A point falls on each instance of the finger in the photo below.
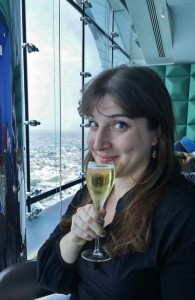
(89, 215)
(81, 229)
(84, 222)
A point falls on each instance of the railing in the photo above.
(30, 200)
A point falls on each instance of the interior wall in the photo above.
(180, 82)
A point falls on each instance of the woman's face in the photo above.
(113, 136)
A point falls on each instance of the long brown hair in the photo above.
(140, 92)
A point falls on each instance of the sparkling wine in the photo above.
(100, 180)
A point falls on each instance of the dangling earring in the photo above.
(154, 152)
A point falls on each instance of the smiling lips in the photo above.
(106, 159)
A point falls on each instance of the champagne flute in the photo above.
(100, 181)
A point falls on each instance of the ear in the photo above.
(156, 135)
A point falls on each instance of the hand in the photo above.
(87, 223)
(186, 163)
(188, 157)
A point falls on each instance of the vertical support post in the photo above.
(83, 82)
(28, 199)
(112, 50)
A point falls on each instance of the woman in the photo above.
(149, 218)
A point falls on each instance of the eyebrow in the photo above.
(113, 115)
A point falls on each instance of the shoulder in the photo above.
(179, 197)
(173, 224)
(177, 206)
(181, 190)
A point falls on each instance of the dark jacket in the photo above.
(165, 272)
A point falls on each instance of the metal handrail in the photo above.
(41, 196)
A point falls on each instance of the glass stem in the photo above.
(96, 251)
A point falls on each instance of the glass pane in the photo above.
(101, 14)
(54, 82)
(121, 21)
(92, 57)
(103, 46)
(54, 90)
(119, 58)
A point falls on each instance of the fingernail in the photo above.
(101, 219)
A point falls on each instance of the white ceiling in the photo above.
(165, 25)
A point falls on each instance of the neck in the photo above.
(122, 186)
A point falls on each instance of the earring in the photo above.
(154, 152)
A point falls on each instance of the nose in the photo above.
(99, 140)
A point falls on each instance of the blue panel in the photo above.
(5, 91)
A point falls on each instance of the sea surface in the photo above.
(54, 160)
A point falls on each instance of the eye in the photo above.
(120, 125)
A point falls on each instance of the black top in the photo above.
(165, 272)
